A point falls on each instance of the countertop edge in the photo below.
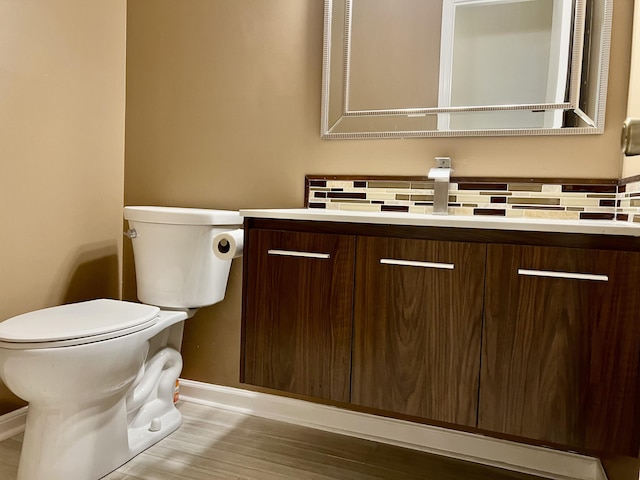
(593, 227)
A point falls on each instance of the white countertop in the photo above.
(598, 227)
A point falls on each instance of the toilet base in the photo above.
(63, 443)
(141, 438)
(95, 406)
(75, 439)
(86, 443)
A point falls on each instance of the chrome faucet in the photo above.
(441, 175)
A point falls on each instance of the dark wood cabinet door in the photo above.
(298, 312)
(417, 327)
(560, 355)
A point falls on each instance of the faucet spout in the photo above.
(442, 177)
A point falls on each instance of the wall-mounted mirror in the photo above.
(434, 68)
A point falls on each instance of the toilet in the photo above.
(100, 375)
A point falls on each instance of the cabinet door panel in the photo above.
(298, 312)
(560, 355)
(417, 327)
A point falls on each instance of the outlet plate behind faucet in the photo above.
(443, 162)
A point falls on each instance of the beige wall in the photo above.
(223, 111)
(631, 165)
(61, 151)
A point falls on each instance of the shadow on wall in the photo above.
(94, 274)
(8, 401)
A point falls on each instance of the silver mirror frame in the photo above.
(596, 125)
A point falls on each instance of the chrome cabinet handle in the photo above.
(413, 263)
(294, 253)
(569, 275)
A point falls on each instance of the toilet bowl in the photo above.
(99, 376)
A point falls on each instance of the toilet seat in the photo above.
(76, 324)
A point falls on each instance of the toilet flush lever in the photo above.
(131, 233)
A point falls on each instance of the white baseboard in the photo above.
(461, 445)
(12, 423)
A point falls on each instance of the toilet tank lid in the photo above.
(183, 216)
(77, 320)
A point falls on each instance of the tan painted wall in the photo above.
(223, 111)
(631, 165)
(62, 84)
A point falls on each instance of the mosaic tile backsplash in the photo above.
(525, 198)
(629, 198)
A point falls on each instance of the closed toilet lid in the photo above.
(102, 319)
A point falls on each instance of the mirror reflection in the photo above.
(464, 67)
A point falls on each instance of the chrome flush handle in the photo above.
(131, 233)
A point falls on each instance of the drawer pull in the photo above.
(574, 276)
(293, 253)
(413, 263)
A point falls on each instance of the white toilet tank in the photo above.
(173, 253)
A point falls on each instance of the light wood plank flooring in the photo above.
(215, 444)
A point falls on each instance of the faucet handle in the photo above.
(443, 162)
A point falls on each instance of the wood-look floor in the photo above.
(215, 444)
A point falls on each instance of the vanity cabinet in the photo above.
(298, 312)
(560, 348)
(417, 327)
(524, 335)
